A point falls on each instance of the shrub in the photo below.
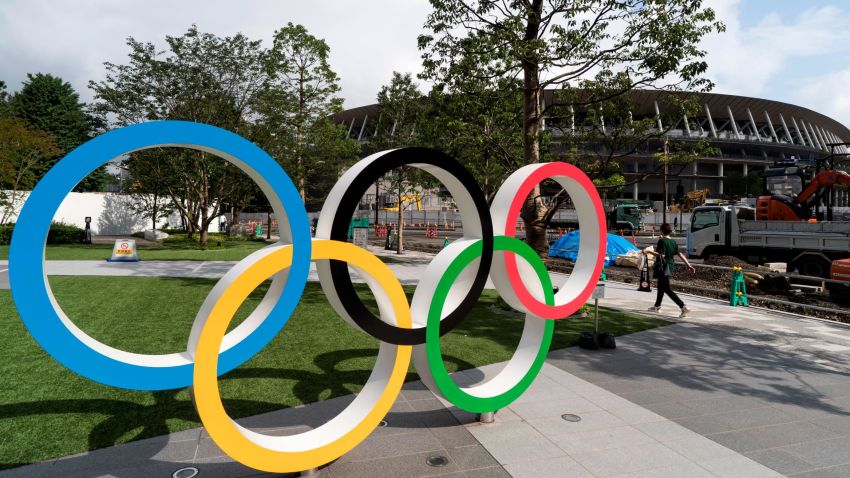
(61, 233)
(6, 233)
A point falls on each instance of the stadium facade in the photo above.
(749, 135)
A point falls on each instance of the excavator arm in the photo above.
(822, 180)
(789, 208)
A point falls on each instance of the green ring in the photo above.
(444, 382)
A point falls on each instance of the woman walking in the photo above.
(665, 253)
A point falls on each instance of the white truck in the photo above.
(731, 230)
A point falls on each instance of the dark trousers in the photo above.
(664, 288)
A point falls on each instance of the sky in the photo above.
(786, 50)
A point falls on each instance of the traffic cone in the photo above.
(644, 285)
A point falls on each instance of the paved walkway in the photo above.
(727, 392)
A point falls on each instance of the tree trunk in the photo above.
(398, 246)
(533, 211)
(300, 165)
(205, 220)
(155, 210)
(234, 216)
(204, 203)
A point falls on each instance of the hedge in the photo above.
(60, 233)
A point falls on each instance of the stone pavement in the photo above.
(614, 437)
(737, 392)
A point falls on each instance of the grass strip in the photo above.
(47, 411)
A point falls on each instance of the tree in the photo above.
(148, 183)
(230, 82)
(4, 100)
(296, 107)
(401, 106)
(556, 44)
(738, 185)
(48, 103)
(329, 151)
(598, 137)
(23, 153)
(481, 128)
(200, 78)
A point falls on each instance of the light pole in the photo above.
(377, 185)
(666, 161)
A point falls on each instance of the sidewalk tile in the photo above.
(561, 466)
(738, 466)
(554, 426)
(605, 439)
(606, 463)
(781, 461)
(773, 436)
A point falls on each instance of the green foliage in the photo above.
(738, 185)
(6, 233)
(199, 77)
(50, 104)
(482, 128)
(401, 106)
(59, 233)
(600, 136)
(24, 154)
(294, 124)
(476, 45)
(4, 100)
(554, 43)
(328, 150)
(278, 98)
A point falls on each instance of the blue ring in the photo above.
(26, 254)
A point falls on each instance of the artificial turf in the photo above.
(47, 411)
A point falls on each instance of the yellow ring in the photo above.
(259, 451)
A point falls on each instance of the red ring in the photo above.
(545, 171)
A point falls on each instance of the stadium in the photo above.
(747, 134)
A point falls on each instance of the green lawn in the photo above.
(174, 249)
(47, 411)
(168, 251)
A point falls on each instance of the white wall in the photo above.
(110, 214)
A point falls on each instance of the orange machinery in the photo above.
(840, 271)
(783, 207)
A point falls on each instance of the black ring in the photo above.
(341, 279)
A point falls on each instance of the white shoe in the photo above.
(685, 312)
(654, 308)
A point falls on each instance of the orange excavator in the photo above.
(783, 204)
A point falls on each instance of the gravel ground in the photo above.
(698, 283)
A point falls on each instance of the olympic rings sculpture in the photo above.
(445, 294)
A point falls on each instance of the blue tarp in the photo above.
(567, 247)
